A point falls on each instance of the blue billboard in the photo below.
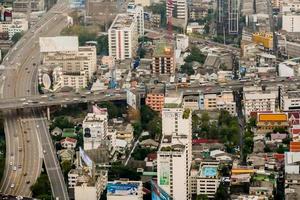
(157, 193)
(123, 189)
(77, 4)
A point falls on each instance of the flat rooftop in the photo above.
(208, 171)
(122, 21)
(59, 43)
(163, 49)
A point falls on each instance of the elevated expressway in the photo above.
(26, 131)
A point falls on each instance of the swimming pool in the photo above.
(209, 171)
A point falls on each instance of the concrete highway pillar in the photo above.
(48, 113)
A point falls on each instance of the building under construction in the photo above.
(163, 60)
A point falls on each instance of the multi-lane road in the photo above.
(111, 95)
(26, 131)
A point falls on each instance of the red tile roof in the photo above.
(67, 139)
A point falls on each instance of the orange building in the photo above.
(267, 122)
(155, 101)
(294, 146)
(263, 39)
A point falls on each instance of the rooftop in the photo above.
(272, 117)
(163, 49)
(59, 43)
(122, 21)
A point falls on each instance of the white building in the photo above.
(124, 32)
(205, 180)
(87, 188)
(182, 42)
(124, 190)
(14, 26)
(122, 37)
(291, 162)
(94, 129)
(137, 12)
(289, 100)
(224, 100)
(179, 12)
(74, 64)
(174, 155)
(291, 23)
(289, 68)
(258, 101)
(68, 143)
(72, 177)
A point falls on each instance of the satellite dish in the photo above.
(46, 81)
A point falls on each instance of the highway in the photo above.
(26, 131)
(112, 95)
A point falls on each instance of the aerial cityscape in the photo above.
(150, 99)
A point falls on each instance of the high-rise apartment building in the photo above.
(124, 32)
(178, 10)
(122, 37)
(228, 17)
(174, 156)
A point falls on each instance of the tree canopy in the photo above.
(195, 55)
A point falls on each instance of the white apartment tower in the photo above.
(138, 13)
(94, 129)
(178, 10)
(174, 156)
(124, 32)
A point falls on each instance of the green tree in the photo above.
(112, 109)
(155, 127)
(16, 37)
(102, 45)
(195, 55)
(62, 122)
(118, 171)
(187, 69)
(222, 193)
(137, 129)
(201, 197)
(41, 189)
(147, 114)
(66, 167)
(195, 123)
(142, 52)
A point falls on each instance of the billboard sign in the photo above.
(132, 99)
(122, 189)
(77, 4)
(164, 174)
(86, 159)
(157, 193)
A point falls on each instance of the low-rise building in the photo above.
(74, 64)
(89, 188)
(205, 180)
(267, 122)
(68, 143)
(258, 101)
(289, 100)
(224, 100)
(124, 190)
(263, 39)
(155, 100)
